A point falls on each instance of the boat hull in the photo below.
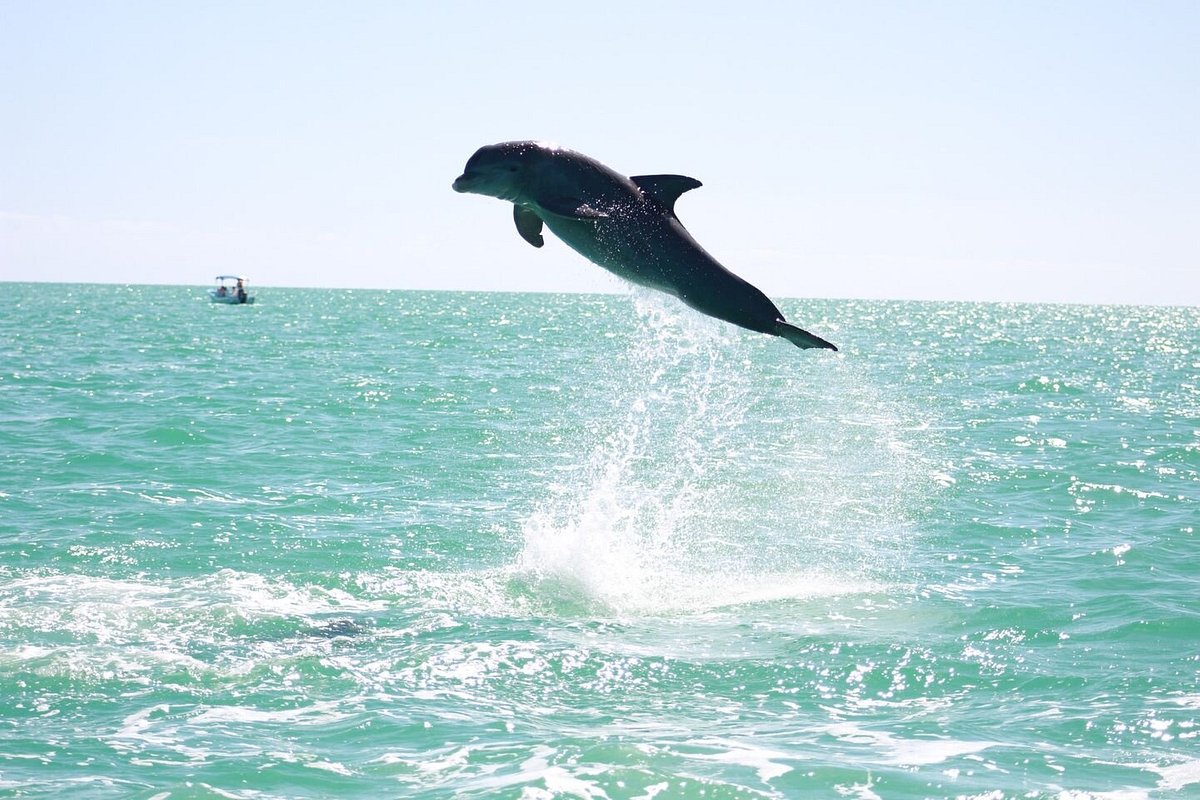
(229, 299)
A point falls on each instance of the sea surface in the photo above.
(366, 544)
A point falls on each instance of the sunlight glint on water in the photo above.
(390, 544)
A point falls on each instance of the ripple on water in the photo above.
(527, 546)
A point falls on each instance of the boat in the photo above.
(230, 289)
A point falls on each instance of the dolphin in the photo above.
(626, 225)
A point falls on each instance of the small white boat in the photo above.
(230, 289)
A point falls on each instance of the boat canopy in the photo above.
(232, 278)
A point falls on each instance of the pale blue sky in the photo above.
(1045, 151)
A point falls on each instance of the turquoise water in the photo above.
(389, 544)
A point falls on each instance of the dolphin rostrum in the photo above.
(626, 225)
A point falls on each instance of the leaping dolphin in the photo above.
(626, 225)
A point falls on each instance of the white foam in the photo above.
(762, 760)
(254, 595)
(1174, 777)
(330, 766)
(142, 728)
(320, 713)
(907, 752)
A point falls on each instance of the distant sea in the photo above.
(366, 544)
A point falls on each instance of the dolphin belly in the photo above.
(615, 249)
(665, 257)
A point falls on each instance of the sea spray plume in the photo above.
(622, 533)
(695, 493)
(626, 225)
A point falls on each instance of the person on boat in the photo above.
(221, 291)
(241, 292)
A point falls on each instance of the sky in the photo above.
(1000, 151)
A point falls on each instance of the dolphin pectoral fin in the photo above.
(801, 338)
(665, 188)
(570, 207)
(529, 225)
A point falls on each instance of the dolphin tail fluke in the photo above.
(801, 338)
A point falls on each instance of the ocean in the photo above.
(369, 544)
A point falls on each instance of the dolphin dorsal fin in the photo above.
(529, 225)
(665, 188)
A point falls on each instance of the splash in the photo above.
(725, 473)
